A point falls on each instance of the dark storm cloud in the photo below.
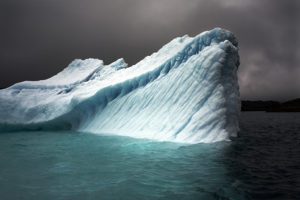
(40, 37)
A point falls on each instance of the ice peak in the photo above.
(78, 63)
(119, 64)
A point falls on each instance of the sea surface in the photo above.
(262, 163)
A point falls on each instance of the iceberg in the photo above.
(186, 92)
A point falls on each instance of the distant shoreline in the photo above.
(271, 106)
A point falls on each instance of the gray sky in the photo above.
(38, 38)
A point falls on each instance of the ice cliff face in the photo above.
(186, 92)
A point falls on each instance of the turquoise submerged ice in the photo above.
(186, 92)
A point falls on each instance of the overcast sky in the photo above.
(38, 38)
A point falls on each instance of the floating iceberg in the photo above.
(186, 92)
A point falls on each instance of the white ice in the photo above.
(186, 92)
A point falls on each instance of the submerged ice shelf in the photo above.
(186, 92)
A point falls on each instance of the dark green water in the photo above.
(263, 163)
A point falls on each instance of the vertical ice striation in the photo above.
(186, 92)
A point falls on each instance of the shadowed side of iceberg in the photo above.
(186, 92)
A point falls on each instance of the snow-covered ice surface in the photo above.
(186, 92)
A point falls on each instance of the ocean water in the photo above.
(263, 163)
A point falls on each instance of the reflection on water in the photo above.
(261, 164)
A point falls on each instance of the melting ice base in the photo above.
(186, 92)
